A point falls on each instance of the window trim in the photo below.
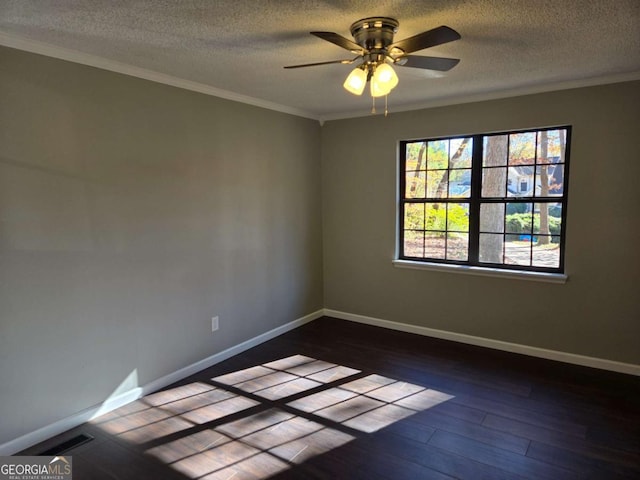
(472, 265)
(546, 277)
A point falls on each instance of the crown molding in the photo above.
(42, 48)
(22, 43)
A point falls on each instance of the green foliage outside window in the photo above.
(436, 218)
(521, 223)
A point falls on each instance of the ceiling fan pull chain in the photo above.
(386, 109)
(373, 105)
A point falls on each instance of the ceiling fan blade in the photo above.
(344, 62)
(339, 40)
(428, 63)
(430, 38)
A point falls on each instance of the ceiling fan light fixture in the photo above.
(356, 81)
(376, 50)
(383, 80)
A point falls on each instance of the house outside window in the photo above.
(523, 186)
(494, 200)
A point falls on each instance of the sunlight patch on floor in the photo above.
(241, 425)
(285, 377)
(252, 447)
(370, 403)
(142, 421)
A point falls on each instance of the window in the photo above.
(491, 200)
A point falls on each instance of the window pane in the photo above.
(547, 218)
(415, 184)
(491, 248)
(517, 250)
(555, 210)
(551, 145)
(434, 245)
(460, 150)
(438, 154)
(460, 183)
(494, 181)
(520, 182)
(546, 253)
(436, 216)
(522, 148)
(414, 216)
(520, 222)
(550, 180)
(413, 243)
(458, 217)
(415, 156)
(437, 181)
(518, 207)
(495, 150)
(492, 217)
(457, 246)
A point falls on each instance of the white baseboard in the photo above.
(56, 428)
(571, 358)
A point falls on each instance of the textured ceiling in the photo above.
(237, 48)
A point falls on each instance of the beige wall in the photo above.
(597, 313)
(130, 214)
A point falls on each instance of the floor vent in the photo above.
(68, 445)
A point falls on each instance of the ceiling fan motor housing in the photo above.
(374, 46)
(374, 34)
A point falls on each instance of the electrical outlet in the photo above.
(215, 324)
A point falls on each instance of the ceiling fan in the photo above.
(376, 51)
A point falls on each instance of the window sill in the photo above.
(484, 271)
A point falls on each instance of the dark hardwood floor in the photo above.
(335, 399)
